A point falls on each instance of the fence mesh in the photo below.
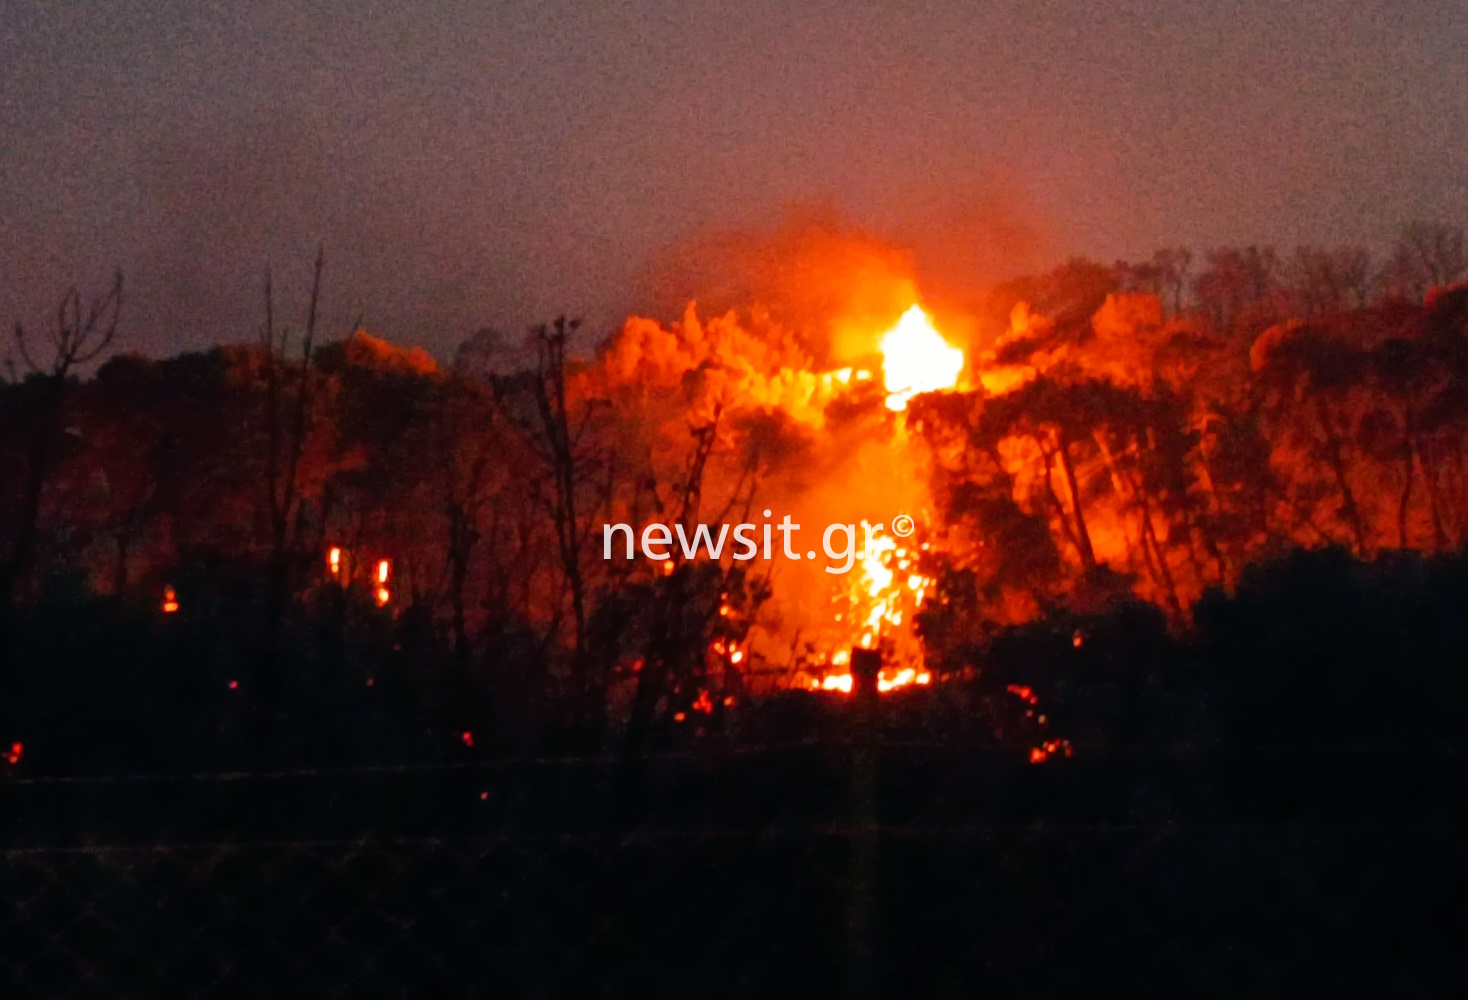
(753, 873)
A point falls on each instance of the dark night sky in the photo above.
(471, 164)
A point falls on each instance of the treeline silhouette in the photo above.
(1197, 647)
(1147, 429)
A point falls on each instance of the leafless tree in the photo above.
(1165, 275)
(78, 337)
(287, 418)
(577, 469)
(1426, 255)
(1240, 291)
(1173, 265)
(1328, 281)
(464, 445)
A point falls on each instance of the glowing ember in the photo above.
(888, 680)
(1048, 749)
(170, 601)
(903, 677)
(837, 682)
(16, 750)
(1022, 691)
(334, 560)
(916, 359)
(384, 570)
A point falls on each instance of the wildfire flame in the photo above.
(916, 359)
(881, 600)
(384, 572)
(875, 606)
(879, 604)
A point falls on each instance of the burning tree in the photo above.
(1087, 436)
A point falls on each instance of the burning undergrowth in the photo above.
(1064, 444)
(1074, 445)
(808, 422)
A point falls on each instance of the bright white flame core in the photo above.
(916, 359)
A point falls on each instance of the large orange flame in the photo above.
(879, 603)
(916, 358)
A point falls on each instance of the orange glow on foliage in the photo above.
(372, 352)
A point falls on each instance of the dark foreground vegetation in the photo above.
(314, 679)
(1268, 802)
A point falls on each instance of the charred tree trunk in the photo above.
(659, 664)
(1409, 461)
(1434, 501)
(561, 453)
(119, 569)
(1149, 537)
(1335, 457)
(462, 538)
(1061, 514)
(862, 878)
(15, 571)
(1083, 536)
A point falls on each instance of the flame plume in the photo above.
(880, 601)
(916, 359)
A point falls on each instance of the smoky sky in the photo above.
(474, 164)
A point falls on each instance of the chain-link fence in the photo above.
(900, 870)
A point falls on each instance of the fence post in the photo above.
(861, 968)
